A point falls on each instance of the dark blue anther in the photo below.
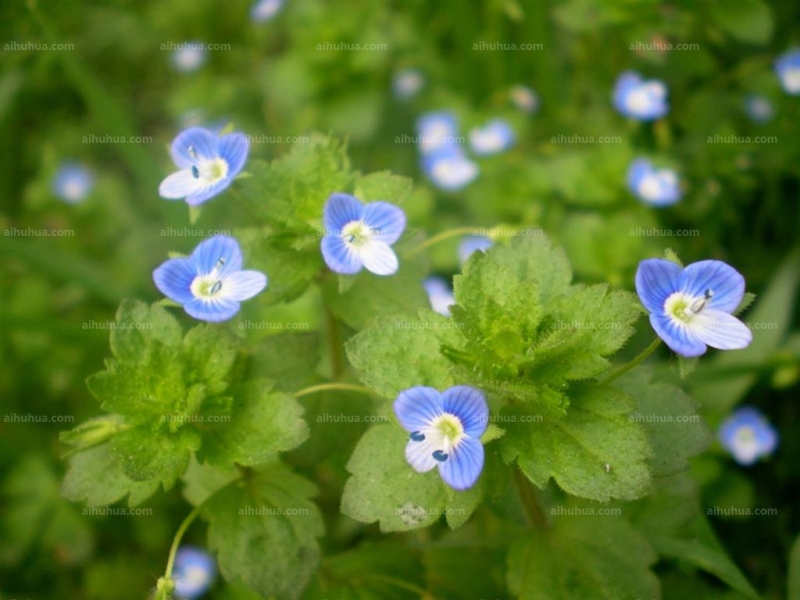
(440, 456)
(195, 172)
(417, 436)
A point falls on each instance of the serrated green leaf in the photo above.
(139, 327)
(288, 359)
(145, 454)
(201, 481)
(583, 557)
(383, 186)
(209, 353)
(384, 488)
(264, 530)
(594, 452)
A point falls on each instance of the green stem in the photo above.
(440, 237)
(332, 386)
(622, 370)
(177, 540)
(528, 496)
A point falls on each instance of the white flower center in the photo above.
(211, 171)
(357, 233)
(684, 307)
(453, 172)
(210, 285)
(443, 434)
(745, 443)
(791, 79)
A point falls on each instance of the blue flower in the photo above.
(759, 108)
(656, 187)
(748, 436)
(207, 162)
(194, 572)
(639, 99)
(448, 168)
(189, 56)
(473, 243)
(439, 294)
(787, 66)
(266, 10)
(445, 430)
(360, 235)
(72, 182)
(210, 284)
(437, 130)
(690, 308)
(407, 83)
(524, 98)
(494, 137)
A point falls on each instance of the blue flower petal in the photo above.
(341, 209)
(208, 192)
(174, 279)
(469, 405)
(720, 330)
(194, 572)
(243, 285)
(206, 257)
(202, 141)
(464, 465)
(416, 407)
(386, 220)
(419, 454)
(677, 337)
(378, 258)
(656, 280)
(212, 310)
(234, 148)
(638, 170)
(339, 257)
(724, 281)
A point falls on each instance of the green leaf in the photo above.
(583, 557)
(263, 423)
(145, 454)
(675, 431)
(385, 488)
(96, 477)
(793, 592)
(264, 531)
(139, 328)
(209, 353)
(203, 480)
(397, 353)
(745, 20)
(596, 451)
(289, 359)
(383, 186)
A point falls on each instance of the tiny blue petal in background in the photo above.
(194, 572)
(449, 168)
(437, 130)
(189, 56)
(759, 108)
(656, 187)
(787, 66)
(72, 182)
(407, 83)
(439, 294)
(748, 436)
(266, 10)
(473, 243)
(639, 99)
(494, 137)
(524, 98)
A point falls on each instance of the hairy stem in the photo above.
(624, 369)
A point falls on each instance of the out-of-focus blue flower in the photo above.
(524, 98)
(748, 436)
(189, 56)
(494, 137)
(691, 308)
(194, 572)
(266, 10)
(437, 130)
(210, 284)
(445, 430)
(639, 99)
(360, 235)
(656, 187)
(72, 182)
(473, 243)
(407, 83)
(787, 66)
(449, 168)
(439, 294)
(759, 108)
(207, 162)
